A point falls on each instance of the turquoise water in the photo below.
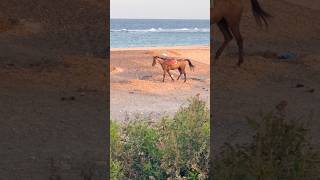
(158, 32)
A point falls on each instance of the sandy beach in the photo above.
(137, 87)
(52, 90)
(264, 80)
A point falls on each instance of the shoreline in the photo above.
(198, 47)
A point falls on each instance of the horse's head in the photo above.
(154, 60)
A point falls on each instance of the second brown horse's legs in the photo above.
(236, 32)
(224, 28)
(185, 76)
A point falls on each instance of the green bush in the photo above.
(178, 148)
(115, 149)
(280, 150)
(172, 147)
(185, 139)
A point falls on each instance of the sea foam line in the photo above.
(192, 30)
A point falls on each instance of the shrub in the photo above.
(141, 155)
(115, 149)
(178, 148)
(173, 147)
(280, 150)
(185, 139)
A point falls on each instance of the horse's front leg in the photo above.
(236, 32)
(170, 75)
(185, 76)
(164, 76)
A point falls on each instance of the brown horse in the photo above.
(169, 63)
(227, 15)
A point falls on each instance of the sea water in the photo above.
(126, 33)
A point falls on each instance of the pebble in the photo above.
(299, 85)
(311, 90)
(287, 56)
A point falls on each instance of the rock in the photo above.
(146, 77)
(71, 98)
(299, 85)
(202, 79)
(311, 90)
(287, 56)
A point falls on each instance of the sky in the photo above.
(160, 9)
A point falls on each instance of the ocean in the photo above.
(126, 33)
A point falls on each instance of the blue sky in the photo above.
(160, 9)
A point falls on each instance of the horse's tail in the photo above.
(190, 64)
(259, 14)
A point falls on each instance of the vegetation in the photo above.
(173, 148)
(178, 148)
(280, 150)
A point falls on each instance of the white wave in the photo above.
(183, 30)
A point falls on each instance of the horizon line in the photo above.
(162, 18)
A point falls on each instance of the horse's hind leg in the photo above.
(180, 71)
(170, 75)
(236, 32)
(224, 28)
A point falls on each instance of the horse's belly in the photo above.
(175, 66)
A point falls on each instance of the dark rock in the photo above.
(311, 90)
(299, 85)
(287, 56)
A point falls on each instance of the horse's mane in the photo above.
(165, 57)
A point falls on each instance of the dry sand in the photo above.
(137, 87)
(264, 80)
(52, 89)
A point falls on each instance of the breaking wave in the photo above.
(157, 30)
